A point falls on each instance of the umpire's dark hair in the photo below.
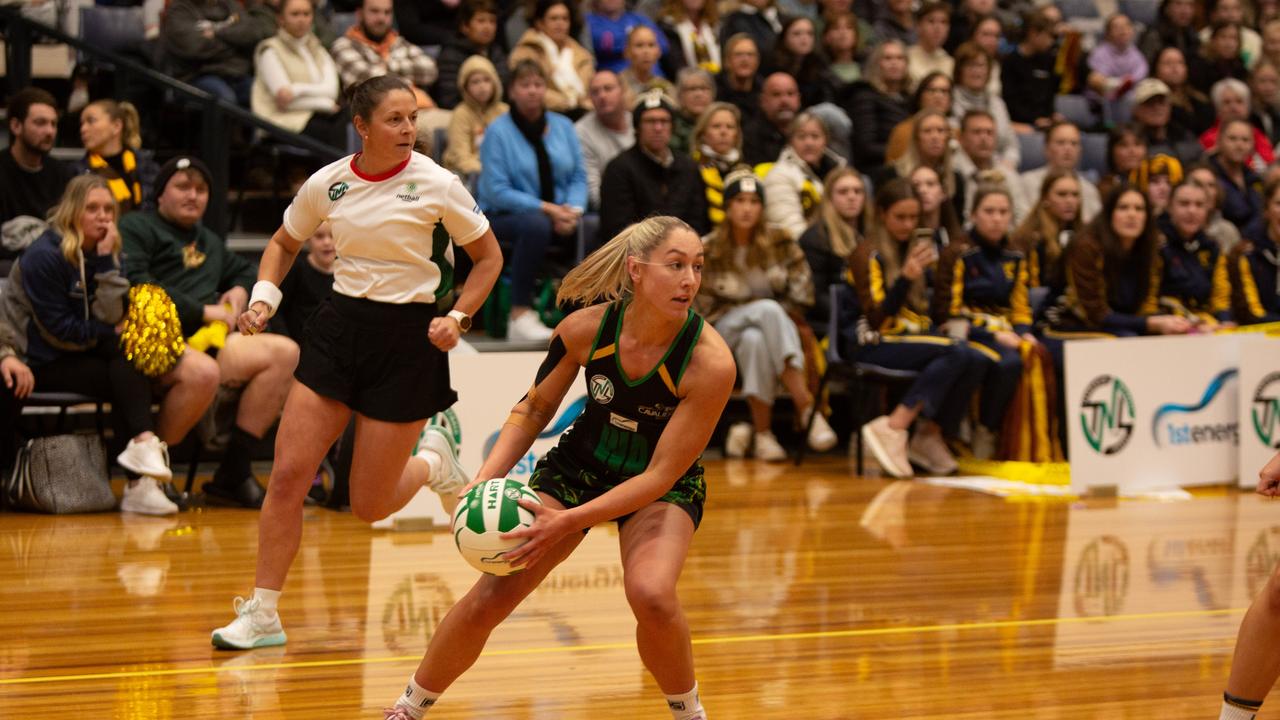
(21, 102)
(364, 96)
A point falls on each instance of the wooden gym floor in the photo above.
(811, 594)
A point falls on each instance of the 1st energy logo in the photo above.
(1106, 414)
(1185, 433)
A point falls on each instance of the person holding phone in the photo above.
(892, 329)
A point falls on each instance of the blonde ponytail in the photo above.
(127, 115)
(131, 133)
(602, 276)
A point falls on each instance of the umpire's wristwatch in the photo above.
(463, 320)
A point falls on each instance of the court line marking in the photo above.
(720, 640)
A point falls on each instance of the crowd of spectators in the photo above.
(987, 181)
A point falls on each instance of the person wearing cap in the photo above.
(171, 247)
(649, 179)
(756, 286)
(64, 311)
(1153, 113)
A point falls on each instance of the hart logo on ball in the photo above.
(489, 510)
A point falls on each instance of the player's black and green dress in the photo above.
(615, 436)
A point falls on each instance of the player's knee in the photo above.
(490, 604)
(367, 511)
(652, 602)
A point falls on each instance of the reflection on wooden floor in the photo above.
(810, 594)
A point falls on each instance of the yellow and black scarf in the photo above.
(126, 188)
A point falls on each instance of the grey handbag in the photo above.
(60, 474)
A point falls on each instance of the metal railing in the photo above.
(217, 115)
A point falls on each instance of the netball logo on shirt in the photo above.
(337, 190)
(601, 389)
(410, 193)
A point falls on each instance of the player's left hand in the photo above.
(444, 333)
(549, 527)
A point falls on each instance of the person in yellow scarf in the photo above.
(111, 136)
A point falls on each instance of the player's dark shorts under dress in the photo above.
(614, 437)
(375, 358)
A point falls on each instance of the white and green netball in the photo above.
(489, 510)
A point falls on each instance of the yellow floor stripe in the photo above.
(724, 640)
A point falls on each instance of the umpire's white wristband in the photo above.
(265, 291)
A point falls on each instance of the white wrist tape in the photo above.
(265, 291)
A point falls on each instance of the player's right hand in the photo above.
(1269, 478)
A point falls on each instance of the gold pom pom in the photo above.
(152, 337)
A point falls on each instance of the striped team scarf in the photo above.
(126, 188)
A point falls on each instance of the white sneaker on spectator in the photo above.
(984, 442)
(144, 496)
(738, 441)
(889, 446)
(252, 628)
(930, 451)
(146, 457)
(527, 326)
(821, 437)
(767, 448)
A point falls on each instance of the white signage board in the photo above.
(1153, 413)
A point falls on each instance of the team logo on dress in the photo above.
(337, 190)
(1106, 414)
(601, 389)
(410, 193)
(1266, 410)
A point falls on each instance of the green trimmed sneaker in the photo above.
(252, 628)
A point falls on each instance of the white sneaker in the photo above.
(984, 443)
(767, 448)
(146, 457)
(252, 628)
(452, 476)
(144, 496)
(929, 451)
(889, 446)
(738, 440)
(821, 437)
(527, 326)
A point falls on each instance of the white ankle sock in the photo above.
(686, 706)
(267, 599)
(1239, 709)
(435, 464)
(417, 699)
